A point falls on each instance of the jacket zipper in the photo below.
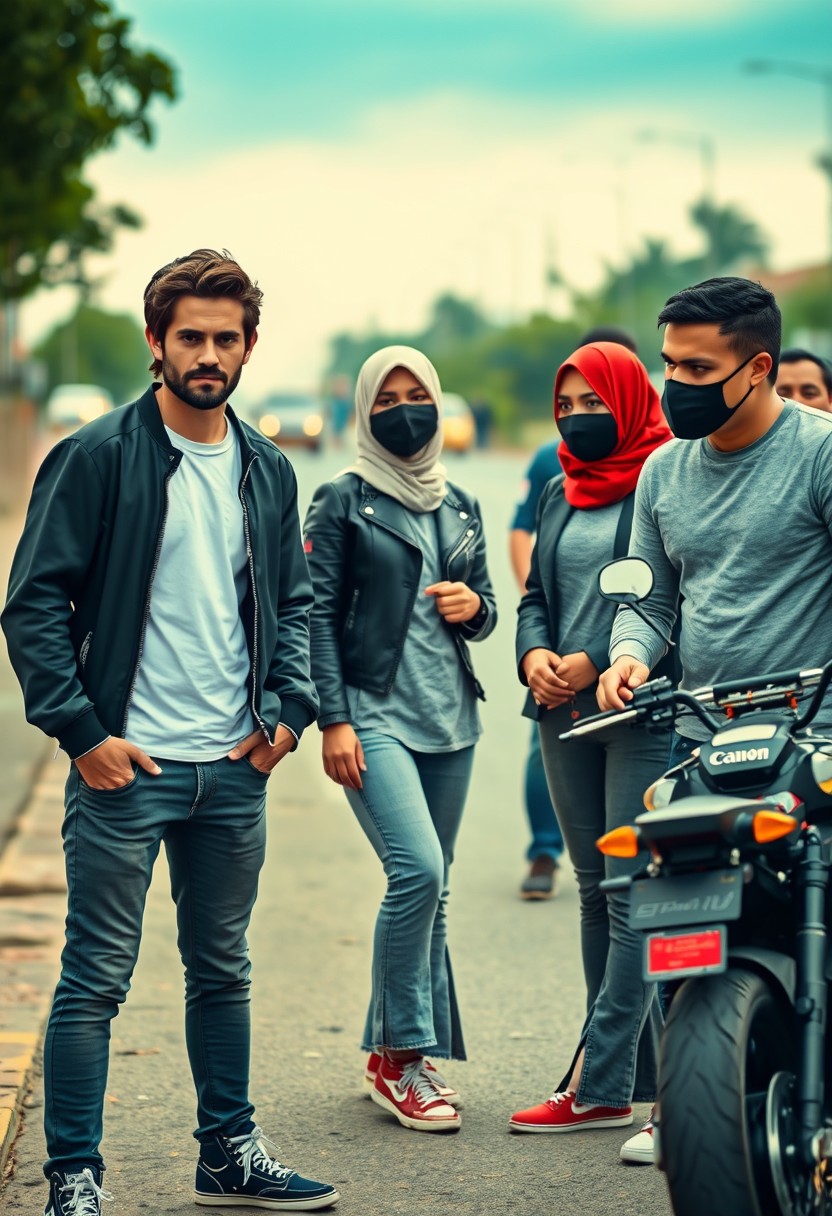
(460, 641)
(146, 615)
(350, 621)
(250, 554)
(85, 649)
(460, 545)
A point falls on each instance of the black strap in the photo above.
(625, 527)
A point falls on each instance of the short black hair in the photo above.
(746, 312)
(796, 354)
(609, 333)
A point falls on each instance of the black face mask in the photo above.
(589, 437)
(697, 410)
(405, 429)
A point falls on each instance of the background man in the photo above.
(806, 378)
(157, 619)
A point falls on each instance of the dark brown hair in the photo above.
(205, 272)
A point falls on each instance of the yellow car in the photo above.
(459, 433)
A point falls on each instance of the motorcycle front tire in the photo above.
(726, 1037)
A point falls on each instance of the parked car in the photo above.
(291, 418)
(459, 431)
(71, 405)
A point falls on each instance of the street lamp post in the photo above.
(822, 76)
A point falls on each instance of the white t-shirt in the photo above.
(191, 699)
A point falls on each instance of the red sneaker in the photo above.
(406, 1091)
(563, 1114)
(441, 1086)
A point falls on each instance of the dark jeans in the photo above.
(597, 784)
(547, 840)
(680, 749)
(212, 820)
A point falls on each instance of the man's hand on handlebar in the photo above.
(615, 685)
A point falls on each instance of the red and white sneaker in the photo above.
(563, 1114)
(406, 1091)
(640, 1148)
(441, 1086)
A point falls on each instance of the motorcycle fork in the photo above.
(811, 882)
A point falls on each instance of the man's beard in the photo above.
(210, 395)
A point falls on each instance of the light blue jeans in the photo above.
(212, 820)
(410, 810)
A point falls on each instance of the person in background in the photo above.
(610, 421)
(397, 558)
(546, 845)
(805, 378)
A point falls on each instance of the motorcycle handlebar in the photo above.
(656, 695)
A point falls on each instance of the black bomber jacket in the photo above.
(365, 568)
(79, 590)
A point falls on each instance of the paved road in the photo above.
(517, 968)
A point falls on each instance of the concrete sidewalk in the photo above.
(32, 909)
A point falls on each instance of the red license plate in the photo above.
(671, 956)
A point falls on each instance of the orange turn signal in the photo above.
(623, 842)
(772, 825)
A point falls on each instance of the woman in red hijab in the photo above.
(610, 420)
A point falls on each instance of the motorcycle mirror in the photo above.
(628, 580)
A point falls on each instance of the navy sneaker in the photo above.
(236, 1171)
(77, 1193)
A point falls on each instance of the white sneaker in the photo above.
(638, 1150)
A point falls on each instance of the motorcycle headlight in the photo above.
(659, 794)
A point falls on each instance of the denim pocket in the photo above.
(255, 769)
(119, 789)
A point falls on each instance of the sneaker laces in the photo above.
(559, 1097)
(416, 1077)
(433, 1074)
(252, 1155)
(86, 1195)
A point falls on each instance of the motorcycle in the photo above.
(733, 905)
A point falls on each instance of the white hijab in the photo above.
(417, 483)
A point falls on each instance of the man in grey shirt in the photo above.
(735, 515)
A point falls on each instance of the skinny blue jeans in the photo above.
(547, 840)
(597, 783)
(410, 810)
(211, 818)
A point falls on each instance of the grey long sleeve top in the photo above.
(746, 538)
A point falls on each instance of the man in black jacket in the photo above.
(158, 622)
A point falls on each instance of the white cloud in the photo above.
(458, 194)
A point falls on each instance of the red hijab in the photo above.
(620, 380)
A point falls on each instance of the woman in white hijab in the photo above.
(397, 558)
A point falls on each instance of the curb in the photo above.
(32, 912)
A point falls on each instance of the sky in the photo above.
(359, 157)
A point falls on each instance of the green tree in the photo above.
(97, 347)
(70, 82)
(730, 236)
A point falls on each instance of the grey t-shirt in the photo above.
(745, 537)
(586, 544)
(432, 706)
(190, 700)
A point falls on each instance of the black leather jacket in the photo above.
(79, 591)
(365, 568)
